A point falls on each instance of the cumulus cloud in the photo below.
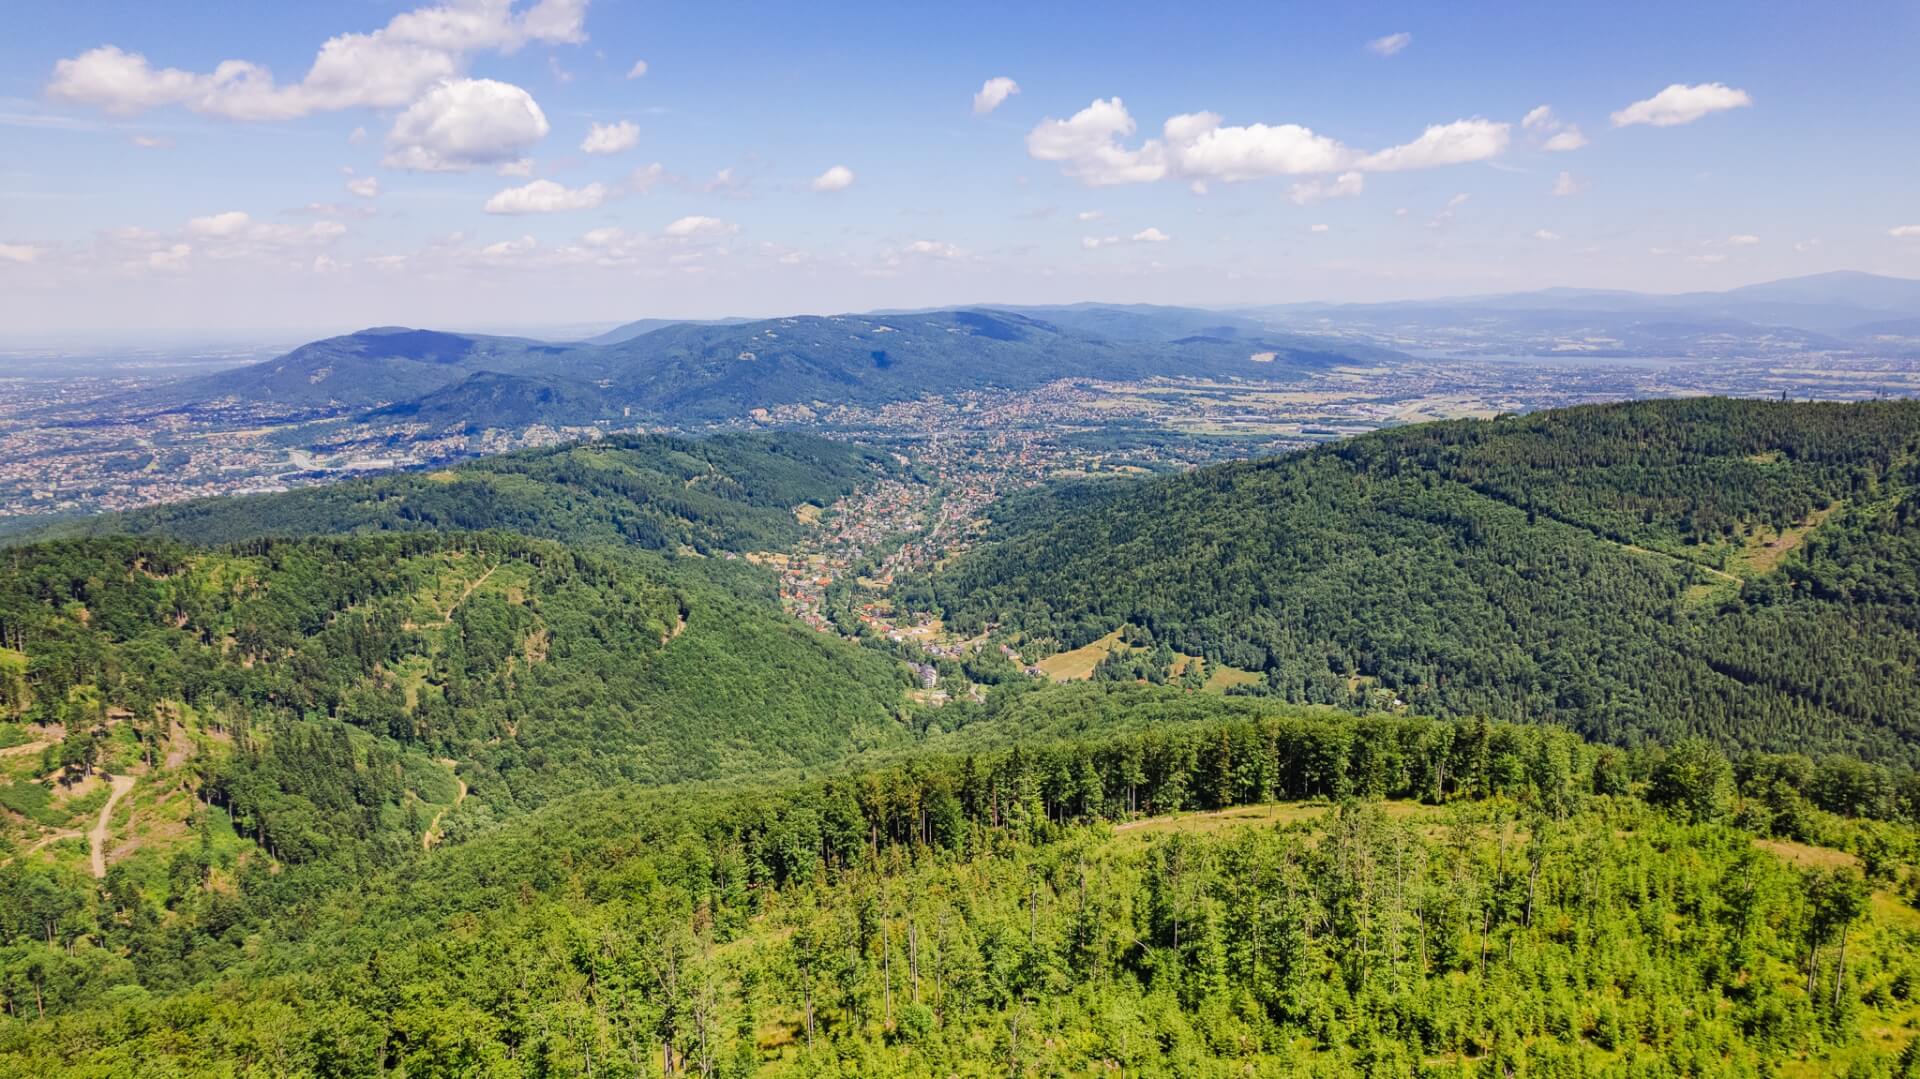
(1091, 215)
(1093, 242)
(611, 138)
(1904, 232)
(992, 93)
(1087, 146)
(385, 69)
(366, 186)
(638, 69)
(697, 227)
(837, 178)
(1150, 236)
(464, 123)
(1554, 134)
(1201, 146)
(1680, 104)
(1346, 185)
(1389, 45)
(546, 197)
(1546, 235)
(1091, 146)
(1443, 144)
(231, 223)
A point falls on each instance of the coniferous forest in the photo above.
(1568, 744)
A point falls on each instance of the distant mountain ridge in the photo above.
(696, 372)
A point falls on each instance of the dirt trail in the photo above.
(1709, 570)
(432, 834)
(98, 837)
(446, 616)
(48, 735)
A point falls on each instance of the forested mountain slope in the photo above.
(727, 492)
(1519, 904)
(1740, 569)
(305, 689)
(695, 372)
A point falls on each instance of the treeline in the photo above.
(1512, 568)
(955, 914)
(724, 493)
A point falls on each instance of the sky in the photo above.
(475, 164)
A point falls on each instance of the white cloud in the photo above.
(520, 167)
(546, 197)
(1087, 146)
(1679, 104)
(22, 253)
(1201, 146)
(1389, 45)
(837, 178)
(1545, 235)
(1090, 147)
(384, 69)
(638, 69)
(1316, 228)
(1092, 242)
(152, 142)
(357, 136)
(935, 249)
(1150, 236)
(231, 223)
(1443, 144)
(366, 187)
(1559, 135)
(642, 180)
(993, 92)
(1562, 141)
(460, 124)
(1458, 200)
(611, 138)
(1805, 246)
(697, 227)
(170, 259)
(1745, 239)
(1904, 232)
(1091, 215)
(1346, 185)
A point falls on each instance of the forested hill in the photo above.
(727, 492)
(1744, 570)
(327, 694)
(693, 372)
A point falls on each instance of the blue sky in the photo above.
(433, 167)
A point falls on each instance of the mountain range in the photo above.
(694, 372)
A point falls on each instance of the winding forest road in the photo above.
(98, 837)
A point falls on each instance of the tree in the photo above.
(1694, 780)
